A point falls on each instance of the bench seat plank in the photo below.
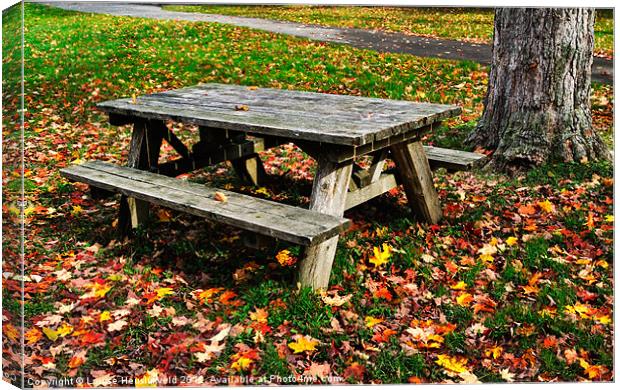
(453, 160)
(288, 223)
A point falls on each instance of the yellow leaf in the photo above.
(163, 291)
(464, 299)
(242, 364)
(434, 341)
(10, 331)
(104, 316)
(262, 191)
(260, 315)
(603, 319)
(459, 286)
(546, 206)
(372, 321)
(381, 257)
(284, 258)
(382, 231)
(31, 209)
(486, 258)
(454, 364)
(609, 218)
(32, 336)
(204, 296)
(512, 241)
(99, 290)
(149, 379)
(602, 264)
(495, 352)
(64, 330)
(583, 310)
(76, 210)
(51, 334)
(303, 344)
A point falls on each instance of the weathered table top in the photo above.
(319, 117)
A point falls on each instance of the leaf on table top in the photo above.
(220, 197)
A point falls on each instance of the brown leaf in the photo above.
(355, 371)
(242, 107)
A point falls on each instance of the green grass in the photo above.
(468, 24)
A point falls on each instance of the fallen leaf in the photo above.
(117, 325)
(454, 364)
(220, 197)
(303, 344)
(380, 257)
(372, 321)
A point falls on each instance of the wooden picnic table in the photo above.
(333, 129)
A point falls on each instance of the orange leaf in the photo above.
(260, 315)
(464, 299)
(527, 210)
(550, 342)
(530, 290)
(220, 197)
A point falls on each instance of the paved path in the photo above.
(602, 69)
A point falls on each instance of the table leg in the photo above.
(329, 193)
(417, 180)
(250, 169)
(144, 151)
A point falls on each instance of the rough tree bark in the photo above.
(537, 107)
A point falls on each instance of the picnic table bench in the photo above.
(333, 129)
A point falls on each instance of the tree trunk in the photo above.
(537, 107)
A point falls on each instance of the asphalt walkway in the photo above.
(602, 69)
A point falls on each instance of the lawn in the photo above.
(465, 24)
(515, 284)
